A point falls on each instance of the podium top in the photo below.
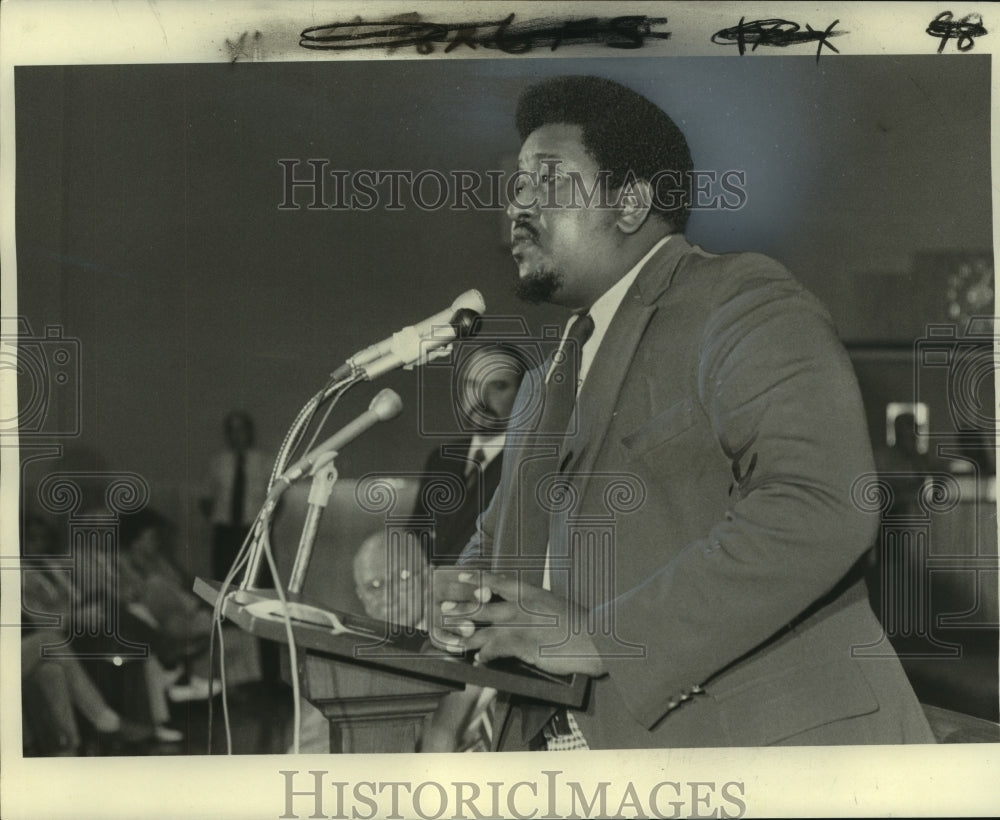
(365, 641)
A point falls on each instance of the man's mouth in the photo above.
(523, 233)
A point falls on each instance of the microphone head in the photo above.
(470, 300)
(464, 322)
(386, 405)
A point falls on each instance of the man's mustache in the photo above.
(523, 229)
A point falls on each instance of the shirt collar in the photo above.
(604, 309)
(491, 446)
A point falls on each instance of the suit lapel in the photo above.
(598, 398)
(599, 395)
(519, 447)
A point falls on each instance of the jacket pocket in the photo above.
(780, 706)
(661, 428)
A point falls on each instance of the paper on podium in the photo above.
(361, 640)
(299, 612)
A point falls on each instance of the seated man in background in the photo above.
(486, 380)
(391, 587)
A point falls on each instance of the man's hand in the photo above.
(529, 623)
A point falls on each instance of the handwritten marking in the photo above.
(239, 48)
(626, 32)
(776, 32)
(964, 31)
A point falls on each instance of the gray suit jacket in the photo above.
(705, 522)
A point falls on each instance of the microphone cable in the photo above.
(260, 532)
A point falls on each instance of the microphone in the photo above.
(412, 345)
(386, 405)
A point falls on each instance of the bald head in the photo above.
(389, 580)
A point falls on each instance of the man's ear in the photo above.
(635, 199)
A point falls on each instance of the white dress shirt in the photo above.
(602, 312)
(491, 446)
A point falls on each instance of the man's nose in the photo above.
(523, 201)
(519, 210)
(488, 396)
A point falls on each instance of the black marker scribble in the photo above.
(627, 32)
(775, 32)
(963, 32)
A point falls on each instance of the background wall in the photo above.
(148, 225)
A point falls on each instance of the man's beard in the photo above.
(538, 287)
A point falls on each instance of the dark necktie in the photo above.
(475, 468)
(533, 490)
(560, 390)
(239, 490)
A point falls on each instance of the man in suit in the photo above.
(679, 524)
(486, 379)
(461, 476)
(235, 490)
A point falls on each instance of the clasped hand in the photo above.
(497, 615)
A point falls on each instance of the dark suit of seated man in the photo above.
(486, 380)
(467, 470)
(685, 533)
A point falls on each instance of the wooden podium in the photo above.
(369, 710)
(374, 685)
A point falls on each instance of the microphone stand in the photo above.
(335, 389)
(345, 377)
(324, 477)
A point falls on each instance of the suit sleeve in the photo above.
(779, 392)
(479, 550)
(420, 509)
